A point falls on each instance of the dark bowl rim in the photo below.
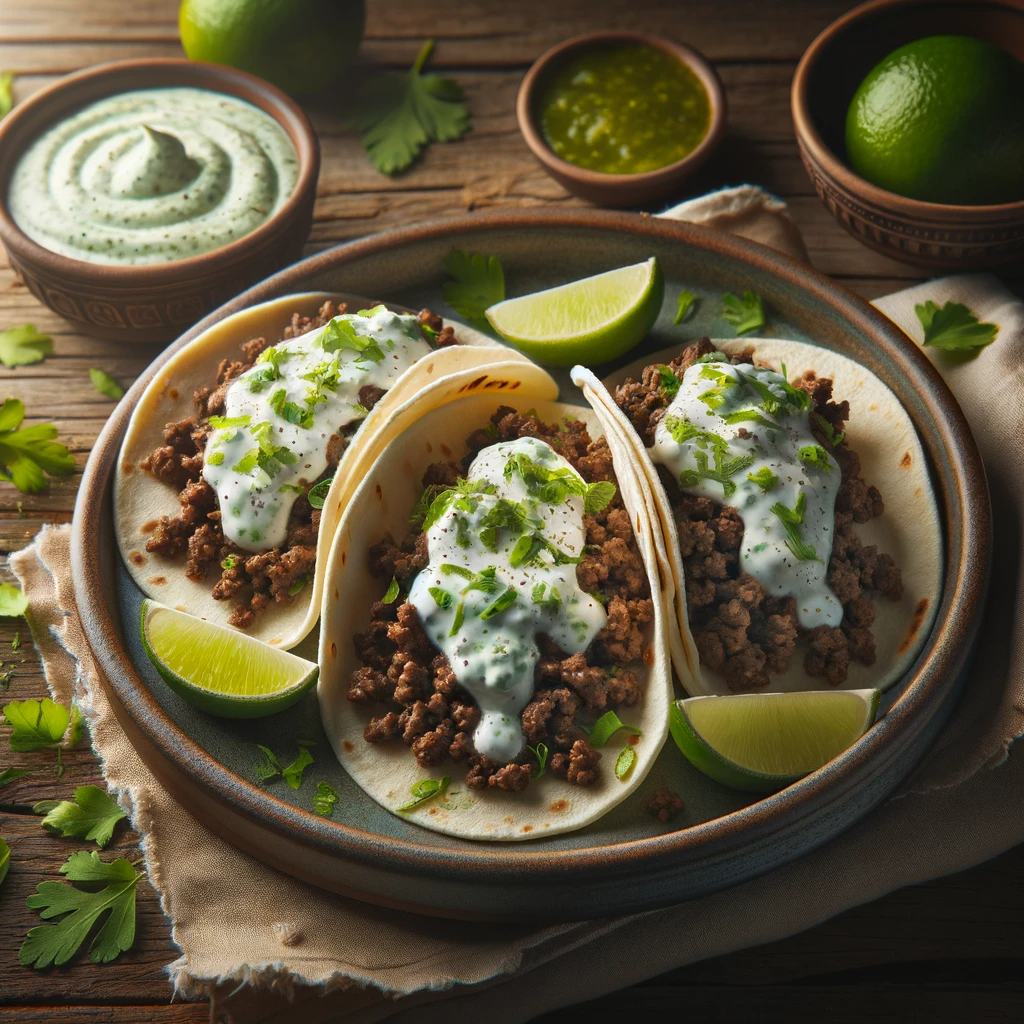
(198, 74)
(935, 671)
(693, 59)
(828, 161)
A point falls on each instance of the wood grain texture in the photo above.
(950, 950)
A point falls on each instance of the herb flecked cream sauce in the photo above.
(503, 557)
(776, 475)
(153, 176)
(271, 443)
(625, 110)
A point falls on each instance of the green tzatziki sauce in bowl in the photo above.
(153, 176)
(626, 109)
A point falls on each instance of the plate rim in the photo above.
(937, 670)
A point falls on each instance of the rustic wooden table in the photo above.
(950, 950)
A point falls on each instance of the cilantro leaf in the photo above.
(391, 594)
(324, 799)
(764, 478)
(424, 790)
(669, 382)
(834, 439)
(36, 725)
(22, 345)
(791, 518)
(399, 116)
(57, 943)
(293, 772)
(25, 454)
(746, 314)
(954, 327)
(318, 494)
(105, 384)
(5, 860)
(92, 815)
(478, 282)
(269, 767)
(12, 601)
(6, 94)
(816, 457)
(12, 775)
(686, 300)
(599, 495)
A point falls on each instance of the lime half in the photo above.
(218, 670)
(761, 742)
(590, 321)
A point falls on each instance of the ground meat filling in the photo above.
(251, 580)
(412, 690)
(739, 630)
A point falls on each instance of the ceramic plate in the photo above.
(626, 861)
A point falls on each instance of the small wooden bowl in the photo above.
(618, 190)
(155, 303)
(931, 235)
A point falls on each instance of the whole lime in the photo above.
(301, 46)
(941, 120)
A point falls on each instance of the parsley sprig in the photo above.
(400, 116)
(20, 346)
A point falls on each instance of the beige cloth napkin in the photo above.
(342, 960)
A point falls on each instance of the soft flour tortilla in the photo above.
(387, 771)
(140, 499)
(882, 433)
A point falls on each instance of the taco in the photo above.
(241, 453)
(490, 610)
(804, 542)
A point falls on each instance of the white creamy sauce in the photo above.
(153, 176)
(279, 415)
(463, 595)
(780, 480)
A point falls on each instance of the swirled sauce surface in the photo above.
(153, 176)
(741, 436)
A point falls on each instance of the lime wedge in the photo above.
(589, 321)
(218, 670)
(761, 742)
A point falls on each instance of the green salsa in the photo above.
(624, 110)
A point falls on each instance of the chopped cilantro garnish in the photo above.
(954, 327)
(291, 412)
(230, 562)
(105, 384)
(684, 306)
(215, 458)
(599, 495)
(746, 314)
(340, 334)
(764, 478)
(834, 439)
(503, 601)
(442, 598)
(815, 456)
(791, 518)
(297, 586)
(722, 472)
(317, 495)
(547, 597)
(223, 422)
(682, 430)
(670, 383)
(750, 416)
(391, 594)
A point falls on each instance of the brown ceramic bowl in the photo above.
(619, 190)
(155, 303)
(928, 234)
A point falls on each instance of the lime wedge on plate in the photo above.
(219, 670)
(590, 321)
(760, 742)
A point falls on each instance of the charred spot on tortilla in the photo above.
(137, 557)
(765, 490)
(172, 394)
(905, 461)
(269, 426)
(158, 581)
(149, 526)
(524, 610)
(920, 613)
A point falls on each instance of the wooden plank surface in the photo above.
(949, 950)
